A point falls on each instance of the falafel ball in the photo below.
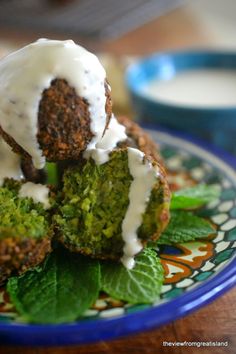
(55, 100)
(63, 123)
(25, 233)
(94, 202)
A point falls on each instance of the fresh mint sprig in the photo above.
(185, 227)
(60, 291)
(194, 197)
(142, 284)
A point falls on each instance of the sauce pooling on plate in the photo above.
(26, 73)
(203, 88)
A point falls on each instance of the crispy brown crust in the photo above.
(63, 123)
(164, 216)
(31, 173)
(138, 138)
(17, 255)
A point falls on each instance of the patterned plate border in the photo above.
(94, 330)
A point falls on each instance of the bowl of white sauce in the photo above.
(192, 92)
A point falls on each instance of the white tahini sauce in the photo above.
(26, 73)
(144, 177)
(9, 163)
(38, 192)
(202, 88)
(114, 134)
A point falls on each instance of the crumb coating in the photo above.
(64, 121)
(141, 140)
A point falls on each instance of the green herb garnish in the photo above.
(142, 284)
(194, 197)
(185, 227)
(60, 291)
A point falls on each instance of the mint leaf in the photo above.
(184, 227)
(62, 290)
(142, 284)
(194, 197)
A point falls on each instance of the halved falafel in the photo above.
(25, 232)
(94, 202)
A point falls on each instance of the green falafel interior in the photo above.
(94, 202)
(21, 216)
(25, 230)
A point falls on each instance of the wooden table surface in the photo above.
(215, 322)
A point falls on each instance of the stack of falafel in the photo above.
(88, 204)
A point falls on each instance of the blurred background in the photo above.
(120, 31)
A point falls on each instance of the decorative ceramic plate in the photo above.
(195, 272)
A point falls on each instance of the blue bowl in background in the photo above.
(215, 124)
